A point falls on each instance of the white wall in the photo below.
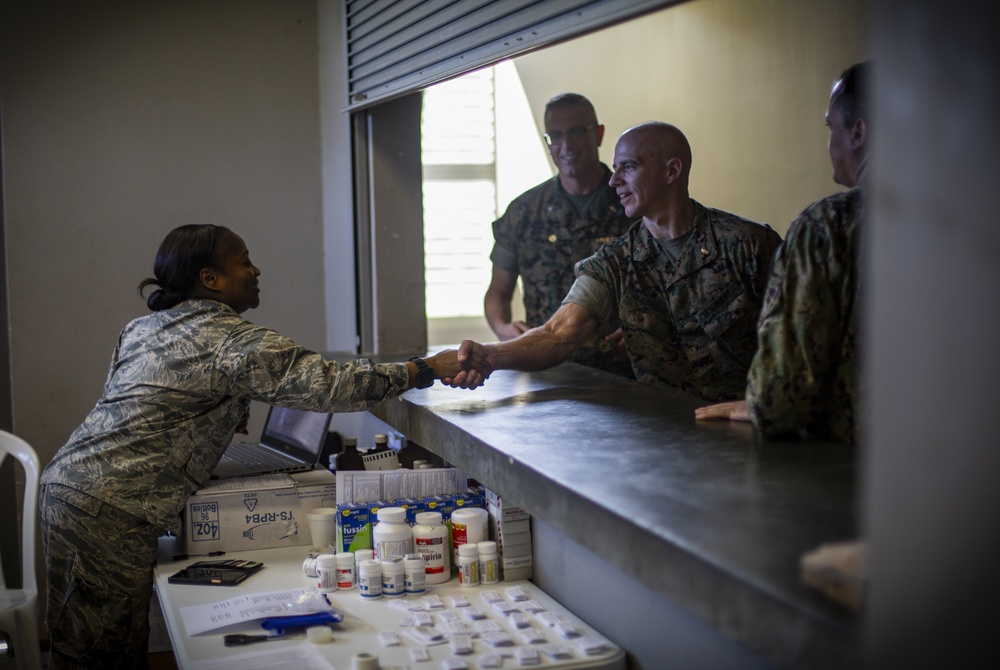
(747, 82)
(123, 120)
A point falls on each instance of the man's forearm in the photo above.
(537, 349)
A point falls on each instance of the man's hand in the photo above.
(733, 411)
(466, 368)
(617, 338)
(511, 330)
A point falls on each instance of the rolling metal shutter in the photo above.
(396, 47)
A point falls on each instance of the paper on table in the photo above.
(298, 656)
(203, 618)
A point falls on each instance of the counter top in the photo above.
(719, 515)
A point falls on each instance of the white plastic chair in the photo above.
(19, 607)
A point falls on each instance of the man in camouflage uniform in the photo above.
(550, 227)
(686, 282)
(805, 373)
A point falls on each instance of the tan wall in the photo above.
(746, 80)
(123, 120)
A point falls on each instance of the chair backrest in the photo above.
(22, 451)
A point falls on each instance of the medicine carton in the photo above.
(413, 506)
(252, 516)
(354, 528)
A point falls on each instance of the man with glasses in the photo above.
(550, 227)
(686, 282)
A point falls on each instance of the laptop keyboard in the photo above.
(251, 455)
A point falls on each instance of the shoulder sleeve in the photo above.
(593, 296)
(796, 333)
(261, 364)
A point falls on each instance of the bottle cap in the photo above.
(468, 550)
(487, 547)
(428, 518)
(392, 515)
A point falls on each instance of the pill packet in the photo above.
(311, 602)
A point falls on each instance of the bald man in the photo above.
(686, 282)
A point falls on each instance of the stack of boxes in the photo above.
(355, 520)
(510, 527)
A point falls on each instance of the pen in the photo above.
(183, 557)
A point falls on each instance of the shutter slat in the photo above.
(395, 48)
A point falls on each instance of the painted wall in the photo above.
(123, 120)
(747, 82)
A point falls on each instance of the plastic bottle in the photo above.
(326, 569)
(468, 565)
(469, 525)
(350, 458)
(431, 541)
(393, 577)
(345, 570)
(370, 579)
(414, 573)
(489, 562)
(361, 555)
(392, 536)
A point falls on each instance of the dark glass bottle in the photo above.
(411, 451)
(349, 458)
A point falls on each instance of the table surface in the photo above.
(364, 619)
(730, 514)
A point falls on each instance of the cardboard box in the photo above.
(354, 528)
(253, 516)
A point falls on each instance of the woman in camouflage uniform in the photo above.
(179, 386)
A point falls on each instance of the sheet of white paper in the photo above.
(203, 618)
(300, 656)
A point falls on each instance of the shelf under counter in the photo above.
(720, 516)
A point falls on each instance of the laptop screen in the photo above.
(295, 432)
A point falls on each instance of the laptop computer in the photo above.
(292, 440)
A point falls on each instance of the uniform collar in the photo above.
(701, 248)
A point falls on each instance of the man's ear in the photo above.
(859, 133)
(674, 169)
(600, 133)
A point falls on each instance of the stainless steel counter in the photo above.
(707, 515)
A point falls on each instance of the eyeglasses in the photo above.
(576, 133)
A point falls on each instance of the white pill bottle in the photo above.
(392, 536)
(432, 542)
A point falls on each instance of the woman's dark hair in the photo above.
(179, 261)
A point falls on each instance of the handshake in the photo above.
(467, 367)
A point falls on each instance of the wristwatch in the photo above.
(425, 375)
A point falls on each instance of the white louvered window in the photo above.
(481, 148)
(458, 139)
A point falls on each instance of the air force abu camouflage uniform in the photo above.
(179, 382)
(541, 236)
(689, 325)
(805, 373)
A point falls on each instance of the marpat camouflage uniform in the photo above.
(805, 373)
(541, 236)
(690, 326)
(179, 383)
